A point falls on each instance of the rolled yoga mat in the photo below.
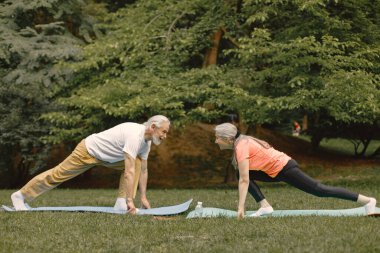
(218, 212)
(166, 210)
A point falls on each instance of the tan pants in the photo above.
(75, 164)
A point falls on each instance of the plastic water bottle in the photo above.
(199, 210)
(199, 206)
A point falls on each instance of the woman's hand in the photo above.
(240, 214)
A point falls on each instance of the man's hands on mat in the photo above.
(131, 206)
(145, 203)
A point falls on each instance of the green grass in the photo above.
(343, 146)
(92, 232)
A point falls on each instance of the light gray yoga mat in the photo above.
(167, 210)
(218, 212)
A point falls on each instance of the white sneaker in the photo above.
(370, 206)
(120, 205)
(18, 201)
(262, 211)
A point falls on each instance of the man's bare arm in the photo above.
(143, 184)
(129, 176)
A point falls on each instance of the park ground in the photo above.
(94, 232)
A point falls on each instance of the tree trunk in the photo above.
(376, 153)
(365, 146)
(230, 173)
(13, 172)
(6, 172)
(22, 174)
(315, 141)
(304, 123)
(211, 56)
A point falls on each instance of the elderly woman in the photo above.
(257, 160)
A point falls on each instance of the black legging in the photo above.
(292, 175)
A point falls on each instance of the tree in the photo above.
(313, 59)
(149, 62)
(34, 37)
(292, 57)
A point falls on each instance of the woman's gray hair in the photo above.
(226, 130)
(157, 120)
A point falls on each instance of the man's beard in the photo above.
(156, 140)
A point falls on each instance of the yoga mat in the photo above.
(166, 210)
(218, 212)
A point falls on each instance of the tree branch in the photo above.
(171, 28)
(150, 22)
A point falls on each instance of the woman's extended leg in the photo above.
(292, 175)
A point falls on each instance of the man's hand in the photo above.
(145, 203)
(131, 207)
(240, 214)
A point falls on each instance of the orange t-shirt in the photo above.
(267, 160)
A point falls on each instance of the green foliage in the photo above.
(34, 37)
(329, 76)
(148, 63)
(294, 58)
(316, 58)
(310, 58)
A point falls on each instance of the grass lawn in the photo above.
(92, 232)
(343, 146)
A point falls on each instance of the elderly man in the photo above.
(124, 145)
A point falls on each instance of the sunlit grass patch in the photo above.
(97, 232)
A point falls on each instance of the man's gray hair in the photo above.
(157, 120)
(226, 130)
